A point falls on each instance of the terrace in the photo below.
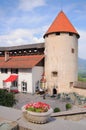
(74, 117)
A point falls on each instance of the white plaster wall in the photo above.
(37, 72)
(25, 75)
(31, 76)
(4, 76)
(60, 58)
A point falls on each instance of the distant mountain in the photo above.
(81, 65)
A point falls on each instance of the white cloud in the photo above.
(21, 37)
(82, 44)
(27, 5)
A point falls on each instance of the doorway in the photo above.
(54, 91)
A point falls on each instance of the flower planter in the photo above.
(35, 117)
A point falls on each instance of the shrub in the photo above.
(57, 109)
(7, 98)
(68, 106)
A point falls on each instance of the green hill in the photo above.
(81, 69)
(81, 65)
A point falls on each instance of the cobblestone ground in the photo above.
(27, 98)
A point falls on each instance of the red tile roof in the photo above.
(21, 61)
(61, 24)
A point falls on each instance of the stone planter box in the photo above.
(35, 117)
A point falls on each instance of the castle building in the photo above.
(22, 67)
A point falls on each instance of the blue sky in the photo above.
(26, 21)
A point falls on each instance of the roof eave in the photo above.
(78, 36)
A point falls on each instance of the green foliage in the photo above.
(38, 110)
(57, 109)
(35, 109)
(7, 98)
(82, 77)
(30, 109)
(68, 106)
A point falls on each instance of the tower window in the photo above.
(71, 84)
(54, 73)
(72, 50)
(46, 35)
(70, 34)
(57, 33)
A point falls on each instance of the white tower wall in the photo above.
(61, 55)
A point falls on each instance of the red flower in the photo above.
(38, 105)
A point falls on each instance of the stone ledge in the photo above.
(11, 125)
(70, 112)
(7, 125)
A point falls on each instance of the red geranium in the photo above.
(37, 107)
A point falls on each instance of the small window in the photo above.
(54, 73)
(15, 84)
(70, 34)
(71, 84)
(47, 35)
(14, 71)
(35, 50)
(4, 70)
(29, 50)
(57, 33)
(72, 50)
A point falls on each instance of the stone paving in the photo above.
(27, 98)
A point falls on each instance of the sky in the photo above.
(26, 21)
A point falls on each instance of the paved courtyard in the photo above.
(27, 98)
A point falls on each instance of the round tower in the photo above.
(61, 54)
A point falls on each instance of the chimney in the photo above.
(6, 55)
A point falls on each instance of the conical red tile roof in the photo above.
(61, 24)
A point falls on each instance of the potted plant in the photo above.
(57, 109)
(38, 112)
(68, 106)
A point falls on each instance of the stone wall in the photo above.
(60, 58)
